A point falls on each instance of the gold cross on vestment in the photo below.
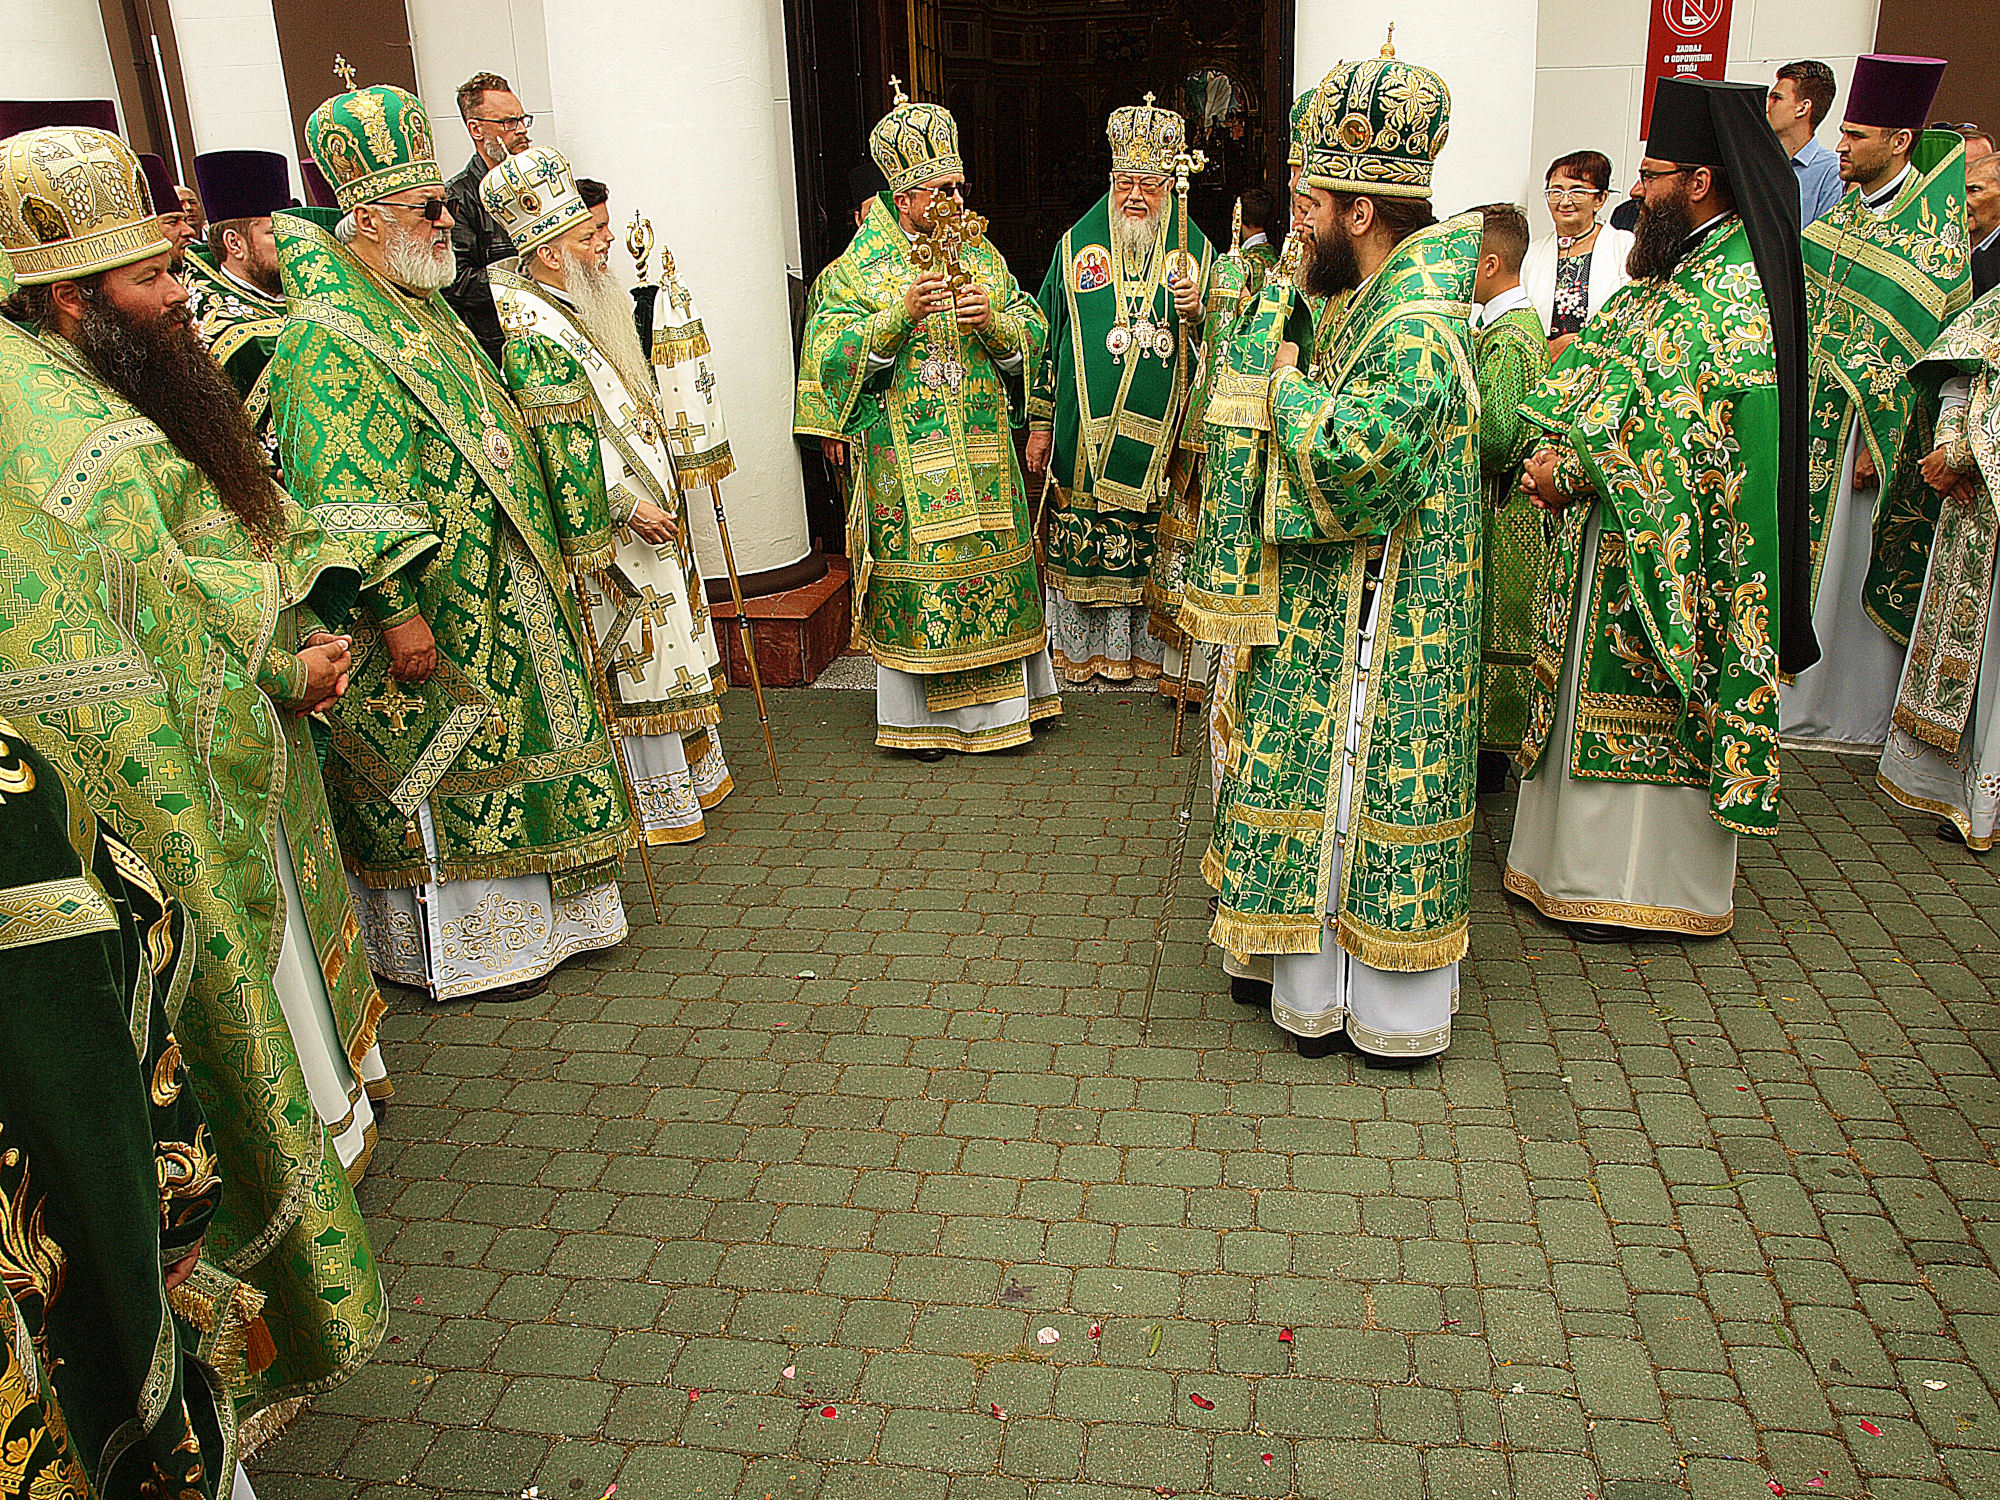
(630, 661)
(705, 382)
(1435, 638)
(393, 705)
(685, 432)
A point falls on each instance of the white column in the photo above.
(672, 105)
(1485, 52)
(55, 50)
(234, 77)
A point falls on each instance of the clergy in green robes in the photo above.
(1886, 269)
(1346, 493)
(108, 1173)
(478, 802)
(235, 300)
(1512, 352)
(927, 392)
(1674, 454)
(1943, 752)
(1124, 299)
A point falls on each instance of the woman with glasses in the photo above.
(1570, 274)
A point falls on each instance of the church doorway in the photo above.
(1031, 83)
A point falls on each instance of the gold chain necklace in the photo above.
(499, 447)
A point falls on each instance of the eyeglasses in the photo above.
(1566, 197)
(1124, 182)
(431, 208)
(505, 122)
(1645, 176)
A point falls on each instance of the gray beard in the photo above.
(604, 308)
(413, 264)
(1134, 239)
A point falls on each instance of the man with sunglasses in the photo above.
(481, 811)
(498, 126)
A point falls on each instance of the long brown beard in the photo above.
(1659, 240)
(1332, 267)
(163, 370)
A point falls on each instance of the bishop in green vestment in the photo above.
(1124, 299)
(927, 390)
(115, 1376)
(1886, 269)
(1344, 498)
(235, 299)
(1673, 451)
(215, 783)
(477, 799)
(1512, 352)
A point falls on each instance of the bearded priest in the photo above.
(925, 384)
(235, 300)
(1344, 480)
(479, 804)
(1674, 452)
(586, 391)
(1124, 299)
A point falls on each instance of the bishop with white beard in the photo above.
(1124, 298)
(572, 360)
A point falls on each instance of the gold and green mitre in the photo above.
(1295, 151)
(1145, 138)
(73, 202)
(915, 143)
(372, 142)
(534, 197)
(1375, 127)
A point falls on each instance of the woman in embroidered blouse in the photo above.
(1570, 274)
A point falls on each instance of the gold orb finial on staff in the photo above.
(639, 242)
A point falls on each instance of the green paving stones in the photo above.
(938, 1223)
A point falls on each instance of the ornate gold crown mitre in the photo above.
(73, 202)
(915, 143)
(373, 142)
(1376, 127)
(534, 197)
(1145, 139)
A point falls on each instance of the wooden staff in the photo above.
(743, 630)
(600, 678)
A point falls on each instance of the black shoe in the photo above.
(929, 757)
(1249, 991)
(1948, 832)
(1317, 1046)
(1492, 772)
(508, 994)
(1392, 1064)
(1597, 932)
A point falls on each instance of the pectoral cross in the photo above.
(685, 432)
(394, 706)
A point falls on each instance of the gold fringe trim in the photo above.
(363, 1040)
(594, 556)
(258, 1431)
(1211, 868)
(1399, 955)
(1136, 670)
(1951, 815)
(1240, 933)
(716, 465)
(1933, 734)
(668, 721)
(222, 1310)
(1245, 413)
(679, 344)
(560, 411)
(924, 666)
(1096, 591)
(1617, 913)
(1216, 627)
(600, 850)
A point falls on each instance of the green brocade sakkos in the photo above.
(1667, 409)
(107, 1171)
(1375, 448)
(1115, 422)
(392, 427)
(1880, 288)
(938, 525)
(1513, 355)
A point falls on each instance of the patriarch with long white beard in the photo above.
(569, 329)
